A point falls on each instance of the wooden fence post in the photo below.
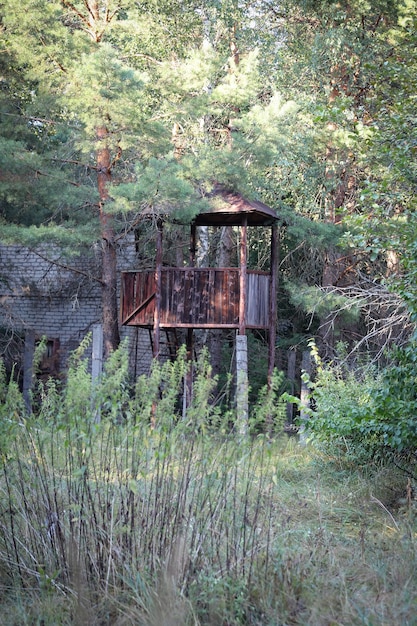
(28, 354)
(242, 401)
(96, 365)
(306, 367)
(291, 354)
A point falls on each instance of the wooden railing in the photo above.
(194, 298)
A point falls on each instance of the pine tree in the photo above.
(329, 63)
(89, 104)
(111, 100)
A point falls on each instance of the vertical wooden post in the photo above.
(306, 366)
(188, 380)
(193, 248)
(28, 368)
(193, 244)
(273, 284)
(96, 366)
(97, 352)
(242, 384)
(242, 391)
(158, 282)
(291, 378)
(243, 277)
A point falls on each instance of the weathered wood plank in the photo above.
(194, 298)
(258, 300)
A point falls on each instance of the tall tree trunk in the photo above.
(341, 180)
(111, 336)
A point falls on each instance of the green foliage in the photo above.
(50, 153)
(384, 223)
(3, 382)
(363, 413)
(50, 402)
(77, 391)
(12, 411)
(163, 186)
(269, 412)
(314, 301)
(189, 94)
(323, 97)
(160, 397)
(12, 406)
(203, 411)
(394, 414)
(179, 526)
(111, 394)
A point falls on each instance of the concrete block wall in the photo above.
(39, 293)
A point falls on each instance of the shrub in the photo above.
(364, 412)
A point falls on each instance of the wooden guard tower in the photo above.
(209, 297)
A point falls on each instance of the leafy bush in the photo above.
(269, 411)
(12, 410)
(364, 412)
(394, 414)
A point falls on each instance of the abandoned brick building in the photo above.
(42, 294)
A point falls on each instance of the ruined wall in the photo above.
(58, 298)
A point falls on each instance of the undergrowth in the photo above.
(117, 507)
(364, 413)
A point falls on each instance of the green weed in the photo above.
(156, 516)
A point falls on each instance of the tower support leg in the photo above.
(242, 384)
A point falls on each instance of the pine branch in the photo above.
(108, 16)
(295, 19)
(30, 118)
(74, 9)
(39, 173)
(116, 158)
(61, 67)
(93, 13)
(75, 162)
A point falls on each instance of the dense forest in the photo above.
(114, 110)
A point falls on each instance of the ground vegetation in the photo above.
(110, 521)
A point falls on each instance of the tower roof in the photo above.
(228, 208)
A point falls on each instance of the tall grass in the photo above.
(116, 522)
